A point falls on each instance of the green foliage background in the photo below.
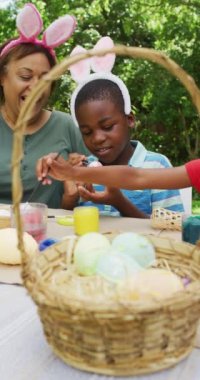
(166, 120)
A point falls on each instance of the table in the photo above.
(108, 223)
(24, 352)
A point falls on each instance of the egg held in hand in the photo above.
(136, 246)
(87, 251)
(94, 164)
(9, 253)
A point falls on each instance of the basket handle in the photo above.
(17, 155)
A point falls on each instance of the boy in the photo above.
(101, 107)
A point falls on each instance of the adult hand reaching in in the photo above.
(53, 166)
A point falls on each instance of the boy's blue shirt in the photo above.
(145, 200)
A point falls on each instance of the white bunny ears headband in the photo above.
(29, 25)
(102, 67)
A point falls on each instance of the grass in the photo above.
(196, 207)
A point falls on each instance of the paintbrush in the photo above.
(39, 182)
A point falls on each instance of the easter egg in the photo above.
(87, 251)
(136, 246)
(85, 263)
(111, 268)
(5, 213)
(116, 267)
(5, 218)
(94, 164)
(152, 283)
(9, 252)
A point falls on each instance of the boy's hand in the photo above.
(76, 159)
(109, 196)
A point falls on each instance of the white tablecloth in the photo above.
(25, 354)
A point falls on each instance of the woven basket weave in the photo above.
(166, 219)
(5, 221)
(86, 325)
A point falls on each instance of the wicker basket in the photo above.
(5, 219)
(166, 219)
(85, 327)
(89, 327)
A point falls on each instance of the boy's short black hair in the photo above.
(100, 89)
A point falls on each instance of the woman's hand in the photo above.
(71, 193)
(54, 167)
(76, 159)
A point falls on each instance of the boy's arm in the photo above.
(71, 195)
(126, 207)
(114, 197)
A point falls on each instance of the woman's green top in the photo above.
(58, 133)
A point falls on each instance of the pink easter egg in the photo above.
(95, 164)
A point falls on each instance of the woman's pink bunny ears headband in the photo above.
(102, 67)
(29, 25)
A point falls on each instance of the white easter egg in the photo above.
(9, 252)
(4, 213)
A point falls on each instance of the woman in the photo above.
(23, 62)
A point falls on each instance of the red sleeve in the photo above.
(193, 170)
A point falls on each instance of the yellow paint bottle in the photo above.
(86, 219)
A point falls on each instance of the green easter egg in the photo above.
(85, 262)
(87, 251)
